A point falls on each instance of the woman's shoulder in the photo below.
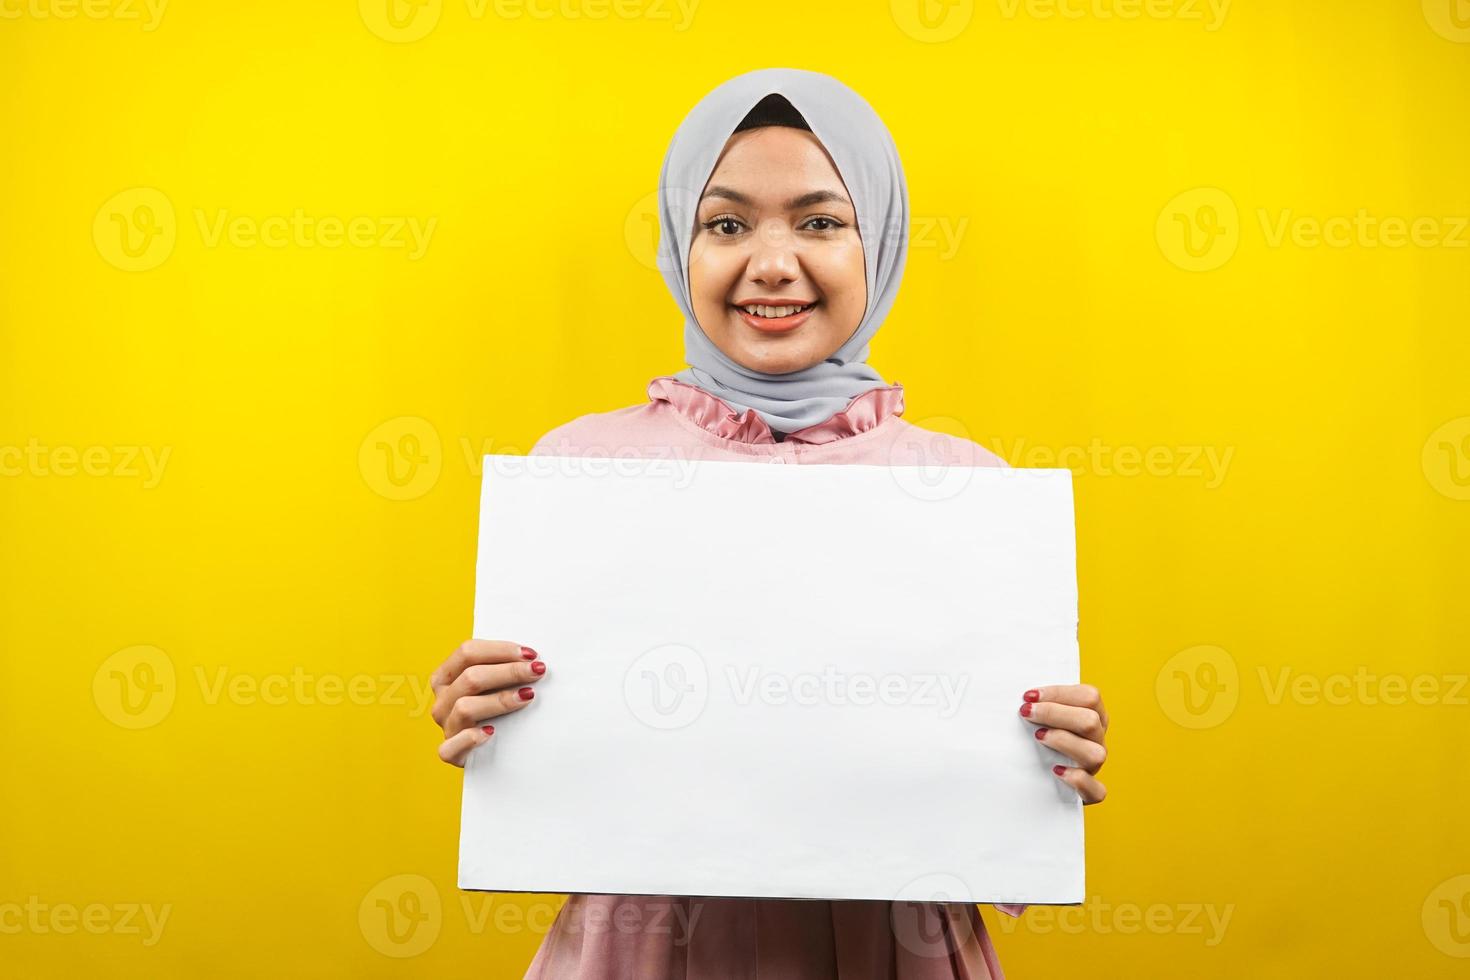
(913, 444)
(605, 433)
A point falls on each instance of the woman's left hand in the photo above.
(1071, 719)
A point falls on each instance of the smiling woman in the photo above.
(783, 271)
(776, 266)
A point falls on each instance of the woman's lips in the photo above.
(776, 324)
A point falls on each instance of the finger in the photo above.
(1084, 753)
(472, 712)
(1081, 721)
(478, 652)
(1084, 783)
(483, 679)
(456, 749)
(1080, 695)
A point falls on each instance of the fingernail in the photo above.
(488, 729)
(527, 653)
(1040, 734)
(1026, 710)
(539, 667)
(1031, 695)
(1058, 769)
(526, 693)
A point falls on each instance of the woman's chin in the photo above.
(774, 358)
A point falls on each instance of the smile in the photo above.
(775, 319)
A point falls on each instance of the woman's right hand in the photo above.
(480, 680)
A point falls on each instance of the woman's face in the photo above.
(776, 228)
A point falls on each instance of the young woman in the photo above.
(784, 219)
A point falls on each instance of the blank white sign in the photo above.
(795, 681)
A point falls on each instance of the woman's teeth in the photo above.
(776, 311)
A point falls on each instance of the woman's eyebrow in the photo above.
(800, 201)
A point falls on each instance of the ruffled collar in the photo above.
(716, 416)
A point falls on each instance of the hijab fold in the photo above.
(867, 161)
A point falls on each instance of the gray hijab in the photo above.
(867, 161)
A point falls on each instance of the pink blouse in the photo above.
(636, 937)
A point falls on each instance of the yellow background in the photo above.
(1068, 319)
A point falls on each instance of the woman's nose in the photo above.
(773, 255)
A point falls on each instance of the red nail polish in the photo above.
(526, 693)
(1031, 695)
(1040, 734)
(527, 653)
(488, 729)
(538, 668)
(1026, 711)
(1058, 769)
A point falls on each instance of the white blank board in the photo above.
(796, 681)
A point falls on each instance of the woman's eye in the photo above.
(727, 226)
(723, 223)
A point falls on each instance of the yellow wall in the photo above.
(1271, 434)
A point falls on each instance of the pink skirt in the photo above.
(623, 937)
